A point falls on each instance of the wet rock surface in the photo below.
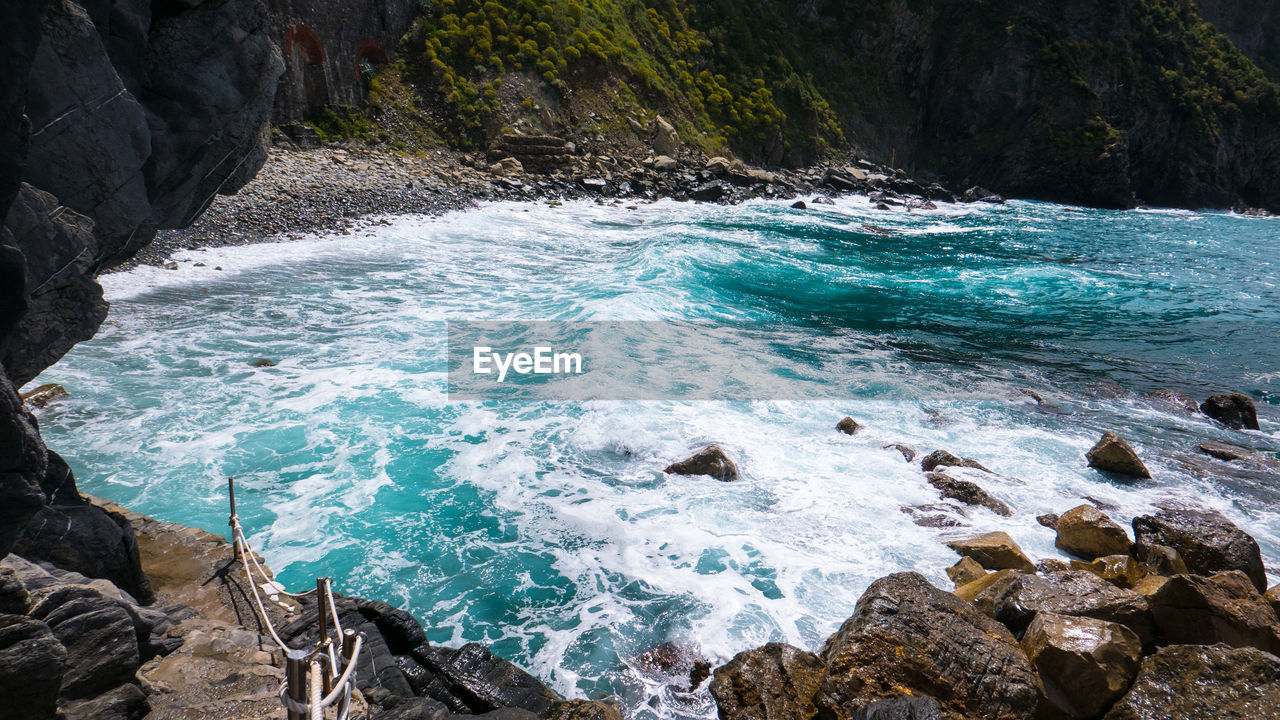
(1087, 532)
(711, 460)
(1235, 410)
(994, 551)
(1205, 539)
(906, 636)
(1112, 454)
(1074, 593)
(1222, 608)
(967, 492)
(1084, 664)
(1194, 682)
(773, 682)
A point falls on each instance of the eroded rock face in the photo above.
(1205, 539)
(711, 460)
(1193, 682)
(1112, 454)
(1075, 593)
(967, 492)
(906, 636)
(30, 669)
(773, 682)
(79, 537)
(1087, 532)
(1235, 410)
(1084, 664)
(1224, 608)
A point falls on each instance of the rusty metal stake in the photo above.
(295, 670)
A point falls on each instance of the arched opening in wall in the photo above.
(306, 58)
(369, 58)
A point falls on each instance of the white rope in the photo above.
(317, 710)
(347, 674)
(333, 609)
(244, 550)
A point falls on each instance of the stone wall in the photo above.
(328, 46)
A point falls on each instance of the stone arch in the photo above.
(306, 56)
(372, 53)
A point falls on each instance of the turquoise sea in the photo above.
(547, 529)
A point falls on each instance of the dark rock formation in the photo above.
(1190, 682)
(969, 493)
(1224, 608)
(710, 460)
(30, 668)
(1073, 593)
(1112, 454)
(101, 644)
(773, 682)
(906, 636)
(1234, 410)
(1207, 541)
(1087, 532)
(848, 426)
(908, 453)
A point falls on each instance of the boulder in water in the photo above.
(994, 551)
(907, 637)
(263, 363)
(1193, 682)
(43, 395)
(1235, 410)
(1087, 532)
(978, 193)
(848, 426)
(1112, 454)
(940, 458)
(969, 493)
(908, 453)
(774, 682)
(711, 460)
(965, 571)
(1205, 539)
(799, 205)
(1084, 664)
(1173, 400)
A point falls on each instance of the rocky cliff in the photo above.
(119, 117)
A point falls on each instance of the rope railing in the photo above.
(309, 685)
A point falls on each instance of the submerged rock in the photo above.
(1205, 539)
(1084, 664)
(1049, 520)
(907, 637)
(908, 453)
(1224, 608)
(969, 493)
(711, 460)
(774, 682)
(263, 363)
(673, 660)
(1235, 410)
(1113, 454)
(994, 551)
(1174, 400)
(848, 426)
(1192, 682)
(939, 458)
(1087, 532)
(43, 395)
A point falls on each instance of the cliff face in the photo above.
(117, 118)
(1253, 25)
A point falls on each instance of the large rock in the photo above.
(82, 538)
(908, 637)
(1121, 570)
(1112, 454)
(1084, 664)
(1207, 541)
(967, 492)
(101, 643)
(127, 702)
(482, 682)
(710, 460)
(1234, 410)
(774, 682)
(30, 669)
(23, 463)
(1075, 593)
(1087, 532)
(965, 571)
(1224, 608)
(1192, 682)
(666, 141)
(994, 551)
(983, 591)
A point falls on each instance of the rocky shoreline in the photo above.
(334, 189)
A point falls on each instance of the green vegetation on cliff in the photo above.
(1088, 102)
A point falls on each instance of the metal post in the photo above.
(235, 543)
(295, 671)
(348, 652)
(322, 609)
